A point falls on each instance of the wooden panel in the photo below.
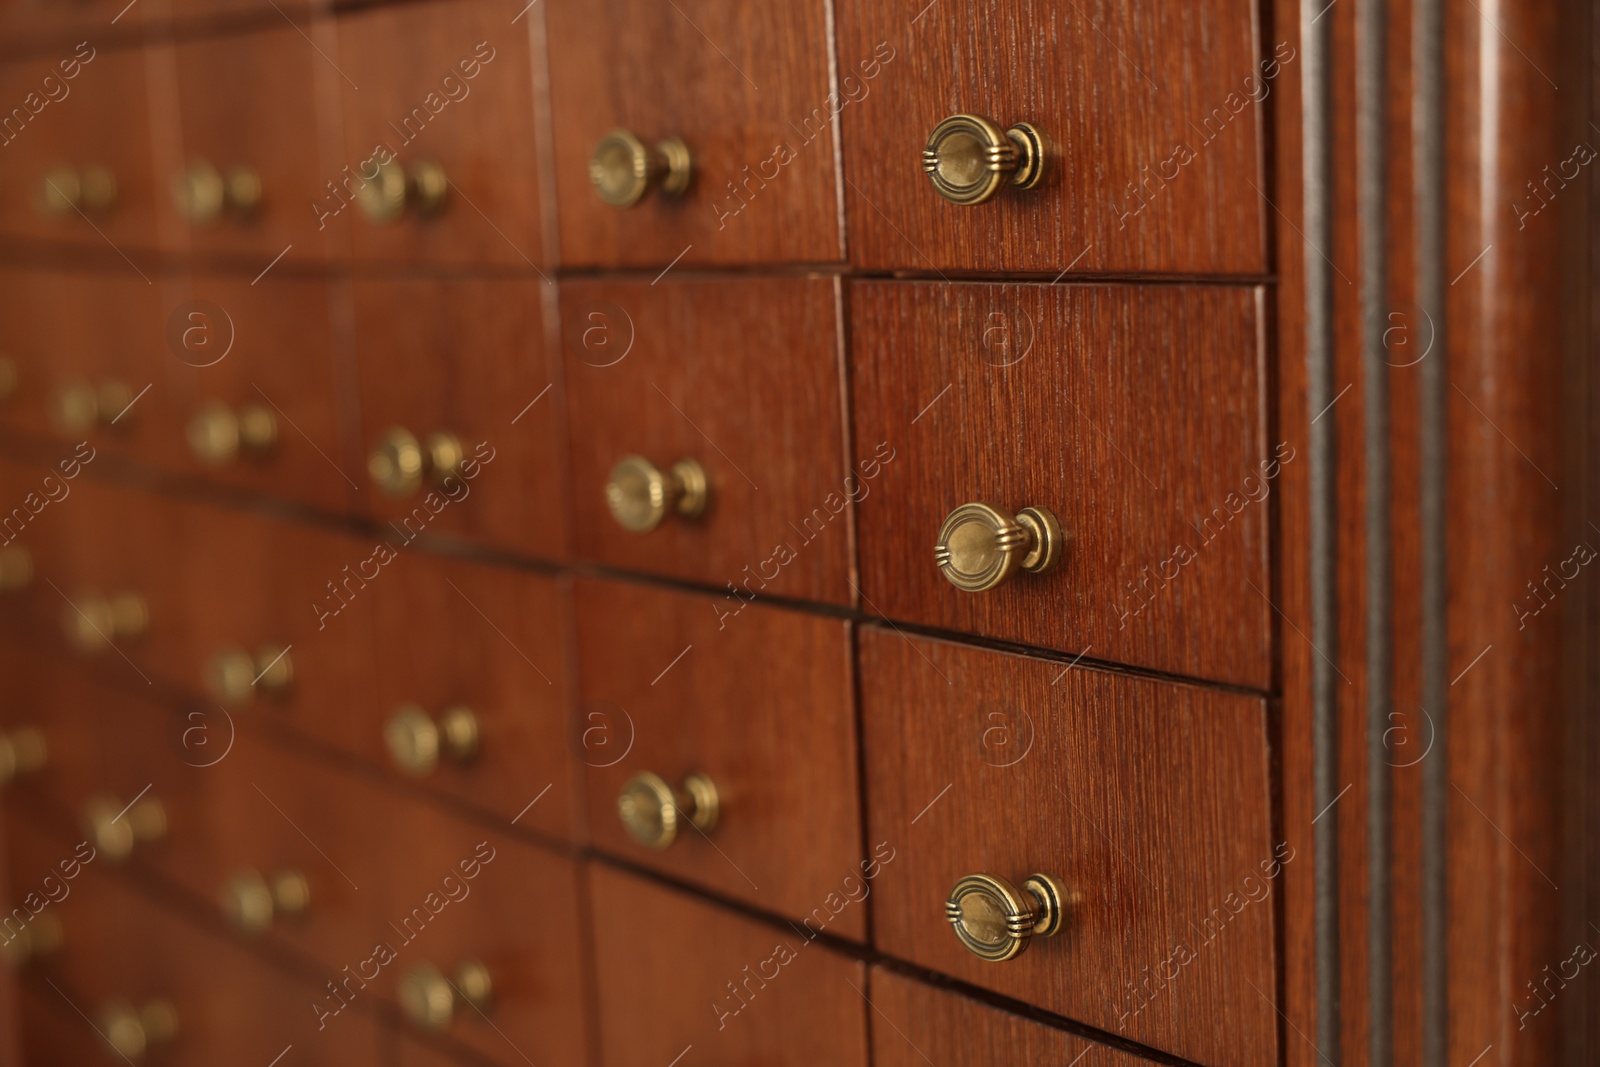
(451, 83)
(465, 358)
(1090, 401)
(663, 958)
(926, 1024)
(742, 376)
(1149, 799)
(1151, 110)
(748, 90)
(761, 703)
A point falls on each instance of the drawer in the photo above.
(254, 148)
(1148, 801)
(472, 689)
(1134, 414)
(761, 707)
(956, 1031)
(742, 377)
(120, 945)
(463, 360)
(1151, 135)
(439, 159)
(747, 94)
(41, 20)
(662, 958)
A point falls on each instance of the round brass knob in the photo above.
(624, 168)
(42, 936)
(250, 901)
(968, 158)
(233, 676)
(65, 191)
(80, 405)
(16, 568)
(385, 196)
(650, 808)
(641, 494)
(202, 193)
(115, 827)
(216, 434)
(415, 741)
(429, 998)
(94, 621)
(22, 751)
(131, 1031)
(981, 545)
(995, 921)
(400, 462)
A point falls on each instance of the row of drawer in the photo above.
(1133, 414)
(719, 750)
(419, 134)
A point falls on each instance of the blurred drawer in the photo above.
(445, 94)
(1134, 414)
(1153, 135)
(760, 706)
(662, 957)
(743, 378)
(1149, 801)
(472, 683)
(44, 20)
(464, 359)
(252, 162)
(956, 1031)
(748, 92)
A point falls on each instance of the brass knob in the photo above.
(22, 751)
(981, 545)
(80, 406)
(94, 621)
(65, 190)
(641, 494)
(650, 808)
(421, 186)
(42, 936)
(115, 827)
(202, 192)
(415, 741)
(968, 158)
(217, 434)
(131, 1031)
(995, 921)
(624, 168)
(251, 902)
(16, 568)
(233, 676)
(400, 462)
(429, 998)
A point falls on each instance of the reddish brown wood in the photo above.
(1149, 799)
(760, 703)
(1070, 398)
(676, 971)
(1150, 110)
(741, 375)
(751, 94)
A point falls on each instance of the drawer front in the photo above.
(932, 1025)
(754, 110)
(676, 972)
(743, 378)
(456, 637)
(1150, 117)
(466, 359)
(447, 85)
(1081, 401)
(247, 104)
(761, 707)
(1149, 801)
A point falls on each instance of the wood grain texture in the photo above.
(666, 962)
(761, 704)
(450, 82)
(1075, 399)
(468, 358)
(1149, 799)
(741, 375)
(1150, 110)
(748, 89)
